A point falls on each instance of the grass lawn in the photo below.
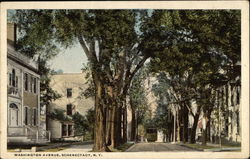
(12, 148)
(202, 147)
(121, 148)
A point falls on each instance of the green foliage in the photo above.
(34, 40)
(90, 116)
(138, 97)
(35, 32)
(81, 124)
(46, 92)
(58, 114)
(197, 49)
(90, 90)
(202, 55)
(141, 130)
(202, 45)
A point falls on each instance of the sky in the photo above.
(70, 60)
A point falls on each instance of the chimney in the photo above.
(11, 33)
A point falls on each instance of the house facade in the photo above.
(23, 96)
(226, 119)
(69, 86)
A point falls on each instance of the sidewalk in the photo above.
(63, 146)
(210, 147)
(78, 148)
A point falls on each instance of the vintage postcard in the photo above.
(123, 79)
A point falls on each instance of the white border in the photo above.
(243, 5)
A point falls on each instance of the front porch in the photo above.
(27, 135)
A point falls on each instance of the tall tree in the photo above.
(205, 45)
(138, 101)
(112, 45)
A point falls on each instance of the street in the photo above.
(78, 148)
(157, 147)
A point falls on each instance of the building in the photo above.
(69, 86)
(142, 133)
(227, 122)
(23, 96)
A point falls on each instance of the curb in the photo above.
(52, 146)
(196, 149)
(60, 145)
(222, 149)
(132, 146)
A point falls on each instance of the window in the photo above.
(16, 81)
(238, 123)
(34, 116)
(10, 79)
(70, 130)
(238, 95)
(226, 126)
(30, 117)
(232, 96)
(69, 109)
(14, 114)
(26, 82)
(227, 95)
(13, 106)
(26, 115)
(69, 92)
(35, 85)
(31, 83)
(13, 77)
(64, 130)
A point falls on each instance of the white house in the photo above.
(23, 97)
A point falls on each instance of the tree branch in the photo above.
(129, 76)
(84, 46)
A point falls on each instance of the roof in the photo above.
(21, 59)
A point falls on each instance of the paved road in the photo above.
(78, 148)
(157, 147)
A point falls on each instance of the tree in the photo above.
(112, 45)
(35, 45)
(47, 94)
(90, 116)
(138, 102)
(81, 124)
(204, 45)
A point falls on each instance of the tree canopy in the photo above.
(195, 48)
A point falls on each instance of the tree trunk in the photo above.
(99, 140)
(193, 130)
(113, 127)
(133, 126)
(204, 136)
(118, 127)
(124, 134)
(206, 132)
(178, 126)
(208, 129)
(185, 124)
(108, 127)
